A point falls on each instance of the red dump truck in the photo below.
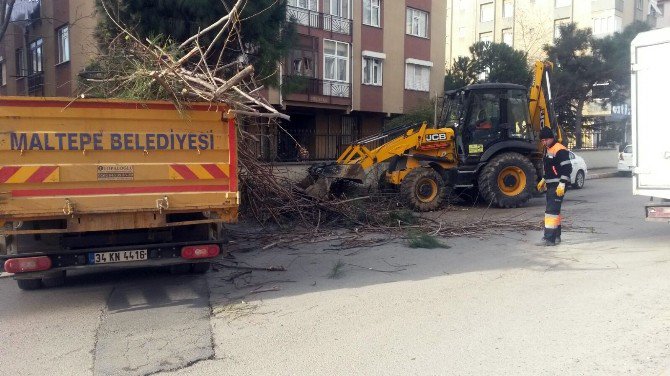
(98, 184)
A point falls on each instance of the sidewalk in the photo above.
(599, 173)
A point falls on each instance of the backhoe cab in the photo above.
(485, 145)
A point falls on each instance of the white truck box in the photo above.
(650, 80)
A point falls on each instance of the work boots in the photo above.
(547, 243)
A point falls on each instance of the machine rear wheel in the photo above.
(507, 181)
(423, 189)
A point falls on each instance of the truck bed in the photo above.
(94, 165)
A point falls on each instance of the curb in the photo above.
(602, 175)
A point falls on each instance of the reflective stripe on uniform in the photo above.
(552, 180)
(552, 220)
(566, 178)
(556, 148)
(565, 163)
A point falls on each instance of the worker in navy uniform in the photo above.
(557, 170)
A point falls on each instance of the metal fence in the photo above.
(313, 86)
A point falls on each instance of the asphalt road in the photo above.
(598, 304)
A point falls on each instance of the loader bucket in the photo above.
(322, 177)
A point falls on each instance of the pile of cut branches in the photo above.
(196, 71)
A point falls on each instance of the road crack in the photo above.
(101, 319)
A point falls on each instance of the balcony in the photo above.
(317, 20)
(308, 89)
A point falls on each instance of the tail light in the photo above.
(28, 264)
(200, 251)
(621, 156)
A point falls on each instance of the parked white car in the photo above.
(579, 171)
(626, 160)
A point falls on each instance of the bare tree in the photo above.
(6, 8)
(534, 30)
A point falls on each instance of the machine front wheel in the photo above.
(423, 189)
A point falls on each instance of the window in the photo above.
(3, 71)
(508, 37)
(508, 9)
(335, 61)
(417, 75)
(606, 25)
(486, 12)
(417, 23)
(372, 71)
(304, 4)
(35, 56)
(63, 41)
(563, 3)
(302, 66)
(638, 4)
(371, 12)
(21, 67)
(486, 37)
(339, 8)
(557, 26)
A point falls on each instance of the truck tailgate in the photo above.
(91, 157)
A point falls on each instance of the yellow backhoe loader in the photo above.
(486, 141)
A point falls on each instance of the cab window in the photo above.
(518, 117)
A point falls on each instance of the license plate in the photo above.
(120, 256)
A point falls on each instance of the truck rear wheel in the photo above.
(200, 267)
(507, 181)
(54, 280)
(423, 189)
(29, 284)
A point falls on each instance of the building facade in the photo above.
(356, 63)
(46, 45)
(527, 25)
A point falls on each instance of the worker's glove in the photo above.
(542, 186)
(560, 190)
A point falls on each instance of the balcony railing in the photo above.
(36, 83)
(313, 87)
(319, 20)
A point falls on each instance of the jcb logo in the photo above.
(436, 137)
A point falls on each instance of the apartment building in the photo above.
(45, 46)
(527, 25)
(661, 10)
(356, 63)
